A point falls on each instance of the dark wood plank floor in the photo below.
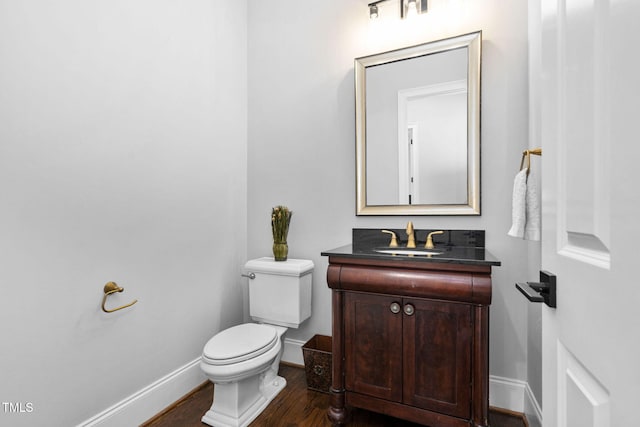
(295, 406)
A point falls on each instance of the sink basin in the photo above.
(410, 252)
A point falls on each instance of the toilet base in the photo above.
(238, 404)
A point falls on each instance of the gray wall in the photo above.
(122, 157)
(301, 138)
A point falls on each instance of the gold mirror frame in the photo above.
(473, 43)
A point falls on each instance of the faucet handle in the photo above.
(394, 238)
(429, 244)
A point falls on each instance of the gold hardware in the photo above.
(429, 244)
(394, 238)
(526, 154)
(109, 289)
(412, 238)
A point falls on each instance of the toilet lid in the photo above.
(240, 343)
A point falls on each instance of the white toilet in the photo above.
(243, 361)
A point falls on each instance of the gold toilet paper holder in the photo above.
(109, 289)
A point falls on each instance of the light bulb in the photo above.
(412, 8)
(373, 11)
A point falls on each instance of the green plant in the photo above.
(280, 219)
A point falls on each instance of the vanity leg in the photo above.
(337, 412)
(481, 367)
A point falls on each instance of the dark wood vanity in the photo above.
(411, 335)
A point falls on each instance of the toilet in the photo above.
(242, 361)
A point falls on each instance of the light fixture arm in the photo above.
(375, 3)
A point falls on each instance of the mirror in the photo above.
(418, 129)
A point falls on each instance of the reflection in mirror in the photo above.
(417, 121)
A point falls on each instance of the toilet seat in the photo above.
(240, 343)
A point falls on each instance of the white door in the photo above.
(589, 99)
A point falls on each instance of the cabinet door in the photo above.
(437, 356)
(373, 345)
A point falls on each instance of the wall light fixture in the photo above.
(411, 8)
(373, 10)
(408, 8)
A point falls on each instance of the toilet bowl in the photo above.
(242, 361)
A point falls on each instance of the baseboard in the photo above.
(506, 393)
(532, 409)
(515, 395)
(293, 352)
(149, 401)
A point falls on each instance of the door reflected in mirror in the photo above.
(417, 121)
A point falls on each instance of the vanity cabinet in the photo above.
(410, 350)
(410, 339)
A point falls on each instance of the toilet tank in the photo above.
(280, 293)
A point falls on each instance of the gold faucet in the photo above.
(412, 237)
(394, 239)
(429, 244)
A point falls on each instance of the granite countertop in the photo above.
(454, 246)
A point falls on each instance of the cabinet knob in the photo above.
(394, 307)
(409, 310)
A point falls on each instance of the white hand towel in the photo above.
(525, 210)
(532, 227)
(519, 205)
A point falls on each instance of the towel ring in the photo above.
(109, 289)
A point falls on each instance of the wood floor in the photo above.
(295, 406)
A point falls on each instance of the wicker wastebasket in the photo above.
(317, 363)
